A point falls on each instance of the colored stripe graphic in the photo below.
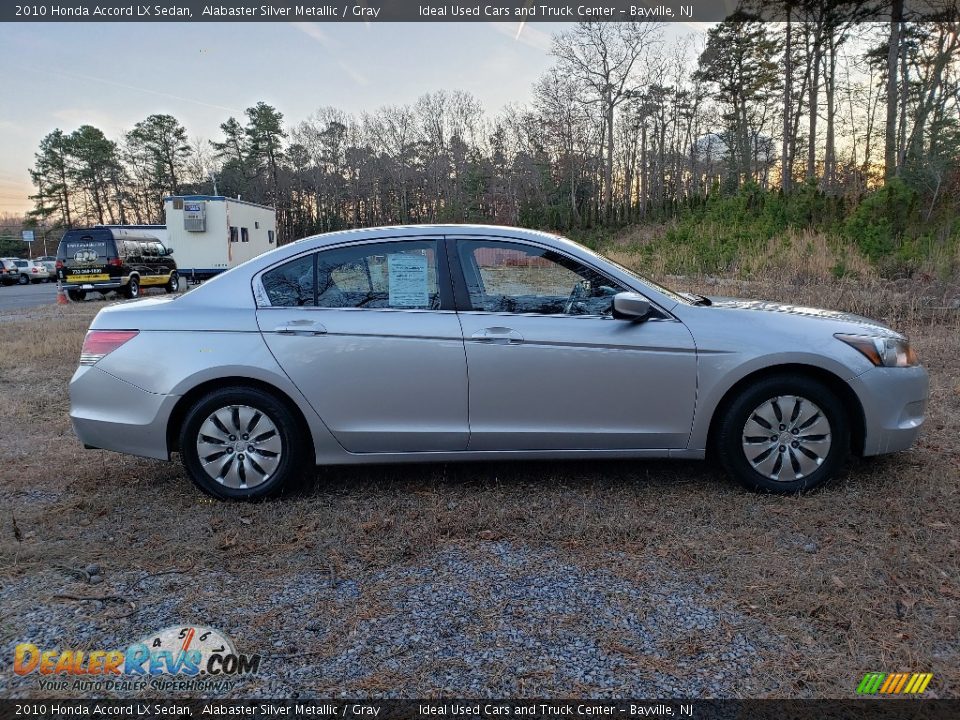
(870, 683)
(901, 681)
(894, 683)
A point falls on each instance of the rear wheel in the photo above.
(173, 285)
(23, 280)
(132, 289)
(77, 295)
(242, 444)
(784, 435)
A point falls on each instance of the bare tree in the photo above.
(603, 56)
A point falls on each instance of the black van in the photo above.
(106, 259)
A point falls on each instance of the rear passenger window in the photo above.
(387, 275)
(384, 275)
(291, 284)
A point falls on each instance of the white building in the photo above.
(213, 233)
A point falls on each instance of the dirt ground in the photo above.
(861, 576)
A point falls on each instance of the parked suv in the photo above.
(9, 272)
(28, 271)
(108, 259)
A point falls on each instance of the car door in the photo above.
(369, 334)
(549, 366)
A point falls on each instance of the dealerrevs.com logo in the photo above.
(191, 658)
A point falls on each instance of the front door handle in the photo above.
(498, 336)
(301, 327)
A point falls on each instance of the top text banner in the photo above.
(440, 11)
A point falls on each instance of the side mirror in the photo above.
(630, 306)
(169, 251)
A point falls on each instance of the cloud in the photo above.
(526, 33)
(313, 30)
(125, 86)
(77, 116)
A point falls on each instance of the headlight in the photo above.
(882, 351)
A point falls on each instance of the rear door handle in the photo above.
(301, 327)
(498, 336)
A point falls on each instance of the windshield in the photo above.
(645, 280)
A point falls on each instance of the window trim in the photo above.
(444, 284)
(462, 293)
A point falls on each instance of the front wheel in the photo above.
(242, 444)
(132, 290)
(784, 435)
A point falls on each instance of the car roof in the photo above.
(397, 232)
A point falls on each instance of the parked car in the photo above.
(9, 272)
(109, 259)
(30, 272)
(50, 266)
(446, 343)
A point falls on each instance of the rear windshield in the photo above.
(82, 250)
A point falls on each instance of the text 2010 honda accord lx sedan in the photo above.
(444, 343)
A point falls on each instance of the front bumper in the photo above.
(111, 414)
(894, 404)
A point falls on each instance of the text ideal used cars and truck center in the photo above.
(448, 343)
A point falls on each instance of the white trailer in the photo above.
(213, 233)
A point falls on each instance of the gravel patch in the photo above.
(483, 619)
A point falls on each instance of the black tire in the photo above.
(173, 284)
(292, 442)
(132, 289)
(733, 436)
(23, 280)
(77, 295)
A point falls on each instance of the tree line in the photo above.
(625, 126)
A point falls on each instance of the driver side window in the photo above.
(514, 278)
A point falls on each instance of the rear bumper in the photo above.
(894, 405)
(112, 285)
(111, 414)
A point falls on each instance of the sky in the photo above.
(112, 75)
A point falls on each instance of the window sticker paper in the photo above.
(408, 280)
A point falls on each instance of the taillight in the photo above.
(100, 343)
(59, 264)
(116, 262)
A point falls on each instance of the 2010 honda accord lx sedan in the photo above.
(444, 343)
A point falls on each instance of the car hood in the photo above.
(873, 327)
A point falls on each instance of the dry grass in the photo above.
(880, 593)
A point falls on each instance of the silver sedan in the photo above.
(446, 343)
